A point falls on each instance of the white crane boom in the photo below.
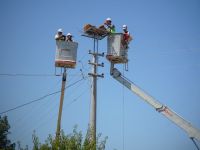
(167, 112)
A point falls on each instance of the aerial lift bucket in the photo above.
(116, 51)
(66, 53)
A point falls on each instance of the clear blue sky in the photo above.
(164, 60)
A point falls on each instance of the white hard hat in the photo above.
(60, 30)
(69, 34)
(108, 19)
(124, 26)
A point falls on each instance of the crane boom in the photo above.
(166, 111)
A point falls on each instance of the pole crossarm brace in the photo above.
(97, 54)
(166, 111)
(95, 64)
(96, 75)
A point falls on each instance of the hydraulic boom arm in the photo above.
(167, 112)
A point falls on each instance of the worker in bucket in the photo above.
(126, 36)
(60, 36)
(109, 26)
(69, 37)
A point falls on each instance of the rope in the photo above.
(123, 109)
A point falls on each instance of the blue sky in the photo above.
(164, 61)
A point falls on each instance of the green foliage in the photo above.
(73, 141)
(5, 143)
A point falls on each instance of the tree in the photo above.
(5, 143)
(73, 141)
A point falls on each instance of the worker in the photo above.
(109, 26)
(60, 36)
(69, 37)
(126, 36)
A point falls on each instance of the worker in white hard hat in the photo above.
(60, 30)
(109, 26)
(59, 35)
(69, 37)
(126, 36)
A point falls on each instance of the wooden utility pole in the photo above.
(61, 103)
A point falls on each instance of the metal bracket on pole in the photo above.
(111, 68)
(96, 75)
(97, 54)
(64, 75)
(95, 64)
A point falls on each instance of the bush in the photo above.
(73, 141)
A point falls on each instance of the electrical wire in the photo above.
(36, 108)
(68, 104)
(42, 118)
(75, 75)
(75, 99)
(43, 122)
(41, 98)
(20, 120)
(26, 75)
(42, 115)
(34, 75)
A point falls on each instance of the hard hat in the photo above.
(60, 30)
(124, 26)
(108, 19)
(69, 34)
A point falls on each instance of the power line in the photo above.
(33, 75)
(75, 99)
(41, 75)
(43, 122)
(23, 74)
(19, 121)
(41, 98)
